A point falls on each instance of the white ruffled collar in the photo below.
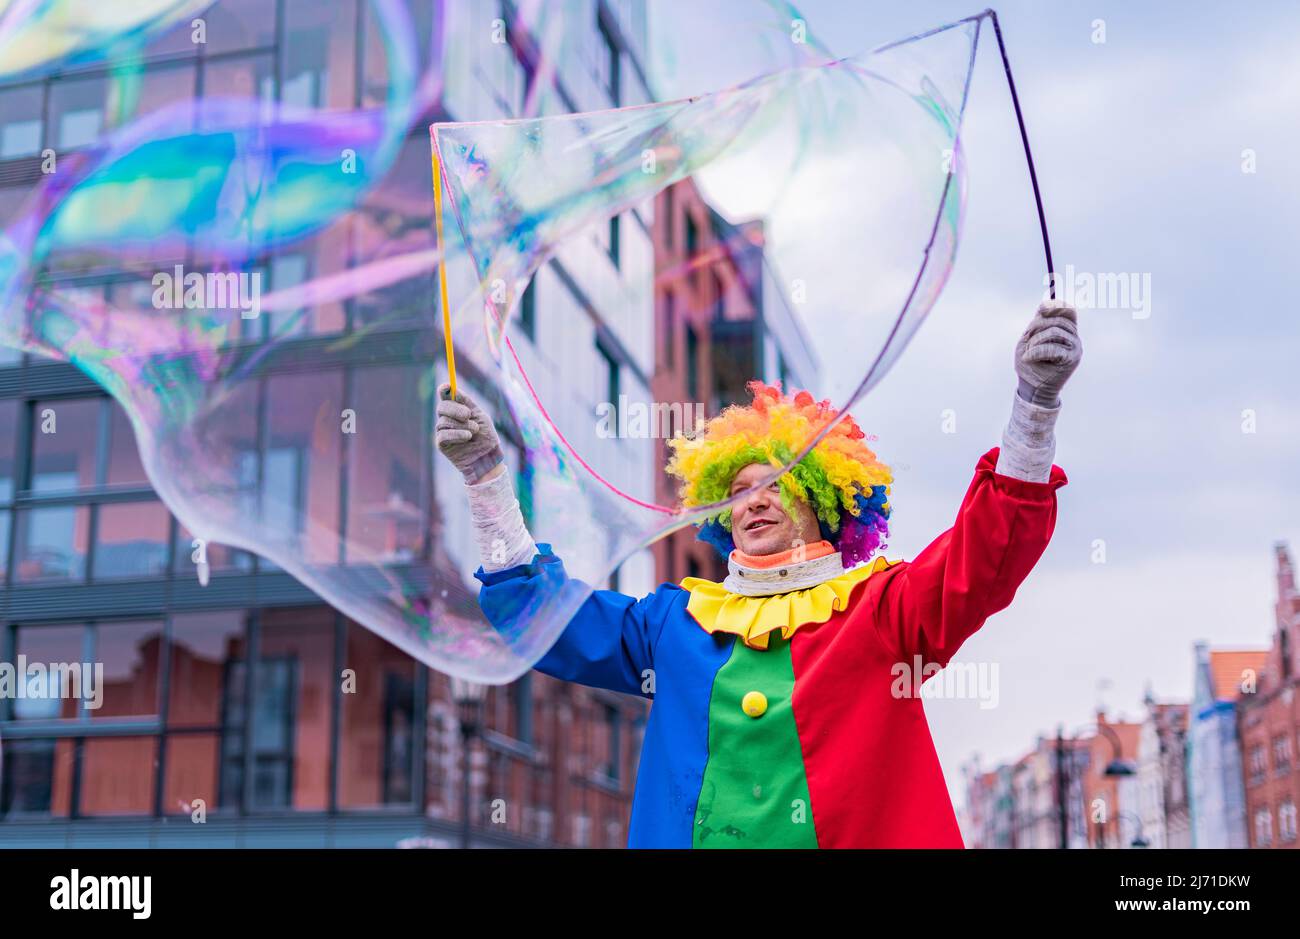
(770, 581)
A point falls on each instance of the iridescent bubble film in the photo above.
(41, 34)
(273, 331)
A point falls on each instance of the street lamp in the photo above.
(1139, 840)
(1117, 767)
(469, 697)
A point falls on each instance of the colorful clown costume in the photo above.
(776, 719)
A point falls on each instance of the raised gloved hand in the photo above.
(1048, 353)
(465, 435)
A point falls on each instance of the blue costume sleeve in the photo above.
(610, 641)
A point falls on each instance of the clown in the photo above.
(777, 720)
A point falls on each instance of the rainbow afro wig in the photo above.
(840, 478)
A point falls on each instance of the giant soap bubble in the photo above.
(302, 433)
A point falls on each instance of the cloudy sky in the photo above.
(1140, 144)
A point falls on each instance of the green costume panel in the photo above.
(755, 791)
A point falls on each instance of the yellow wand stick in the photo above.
(442, 271)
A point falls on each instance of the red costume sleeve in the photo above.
(931, 605)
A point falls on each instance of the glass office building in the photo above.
(228, 696)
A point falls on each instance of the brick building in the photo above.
(1269, 725)
(1108, 797)
(720, 321)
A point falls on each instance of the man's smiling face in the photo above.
(759, 522)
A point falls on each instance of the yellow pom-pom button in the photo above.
(754, 704)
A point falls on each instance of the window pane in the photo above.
(377, 743)
(193, 763)
(13, 201)
(239, 24)
(528, 310)
(76, 112)
(52, 543)
(135, 292)
(64, 444)
(253, 281)
(46, 646)
(607, 70)
(292, 706)
(375, 58)
(20, 137)
(162, 86)
(4, 547)
(20, 121)
(327, 253)
(374, 65)
(300, 473)
(231, 427)
(386, 501)
(250, 77)
(131, 540)
(287, 270)
(231, 780)
(8, 435)
(692, 363)
(130, 293)
(393, 218)
(398, 305)
(318, 36)
(130, 656)
(117, 775)
(124, 466)
(37, 777)
(520, 697)
(219, 557)
(670, 327)
(204, 646)
(175, 41)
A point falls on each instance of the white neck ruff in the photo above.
(770, 581)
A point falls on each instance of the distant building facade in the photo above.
(1216, 793)
(1059, 794)
(1269, 725)
(1111, 800)
(1036, 797)
(1164, 806)
(1217, 772)
(989, 819)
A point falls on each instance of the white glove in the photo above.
(1048, 353)
(1046, 356)
(465, 435)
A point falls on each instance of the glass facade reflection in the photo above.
(247, 701)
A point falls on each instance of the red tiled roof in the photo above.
(1227, 667)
